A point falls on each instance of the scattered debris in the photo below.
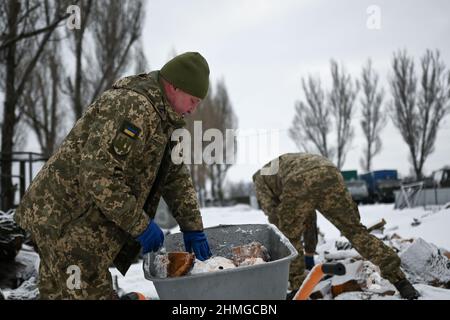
(11, 236)
(249, 251)
(424, 262)
(341, 255)
(177, 264)
(322, 290)
(415, 222)
(173, 264)
(447, 254)
(343, 245)
(180, 263)
(245, 255)
(349, 286)
(377, 226)
(361, 276)
(28, 290)
(23, 267)
(211, 265)
(251, 262)
(160, 264)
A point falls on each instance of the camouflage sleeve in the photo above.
(265, 198)
(179, 193)
(114, 144)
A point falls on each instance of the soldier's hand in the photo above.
(152, 238)
(406, 289)
(196, 241)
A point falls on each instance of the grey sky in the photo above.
(262, 48)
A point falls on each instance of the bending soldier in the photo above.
(290, 189)
(94, 201)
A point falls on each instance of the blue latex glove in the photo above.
(152, 238)
(196, 241)
(309, 262)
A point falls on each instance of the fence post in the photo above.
(30, 167)
(22, 178)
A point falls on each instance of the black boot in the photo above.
(406, 289)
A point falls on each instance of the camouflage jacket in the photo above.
(110, 159)
(271, 188)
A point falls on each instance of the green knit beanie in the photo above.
(189, 72)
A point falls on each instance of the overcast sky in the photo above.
(262, 49)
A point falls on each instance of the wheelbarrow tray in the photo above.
(267, 281)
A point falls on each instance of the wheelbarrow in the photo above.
(266, 281)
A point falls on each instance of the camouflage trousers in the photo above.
(310, 233)
(323, 189)
(75, 265)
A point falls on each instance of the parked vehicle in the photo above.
(359, 191)
(381, 185)
(441, 177)
(357, 187)
(350, 175)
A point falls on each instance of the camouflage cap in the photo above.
(189, 72)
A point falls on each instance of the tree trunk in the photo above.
(9, 117)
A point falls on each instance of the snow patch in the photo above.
(423, 261)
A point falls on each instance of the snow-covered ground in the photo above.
(432, 226)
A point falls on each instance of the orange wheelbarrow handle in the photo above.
(314, 277)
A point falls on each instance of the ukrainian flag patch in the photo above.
(130, 130)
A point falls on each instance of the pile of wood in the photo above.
(177, 264)
(421, 261)
(361, 276)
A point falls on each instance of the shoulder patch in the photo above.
(130, 130)
(125, 138)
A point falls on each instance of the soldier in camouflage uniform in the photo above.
(304, 183)
(99, 192)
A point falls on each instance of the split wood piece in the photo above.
(180, 263)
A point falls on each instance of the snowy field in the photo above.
(430, 225)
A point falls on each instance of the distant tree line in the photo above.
(215, 112)
(50, 73)
(415, 108)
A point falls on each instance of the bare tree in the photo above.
(25, 13)
(215, 112)
(417, 115)
(223, 118)
(373, 116)
(199, 171)
(140, 60)
(111, 28)
(20, 23)
(199, 174)
(312, 120)
(77, 86)
(42, 100)
(342, 101)
(114, 39)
